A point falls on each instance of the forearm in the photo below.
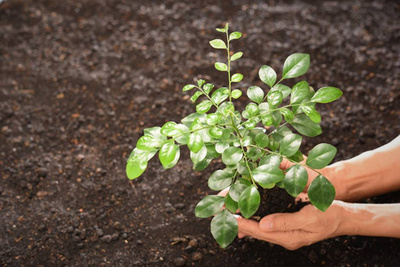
(371, 173)
(369, 219)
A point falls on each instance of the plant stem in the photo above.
(229, 68)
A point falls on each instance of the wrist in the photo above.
(336, 174)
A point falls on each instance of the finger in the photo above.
(248, 227)
(302, 197)
(241, 235)
(224, 192)
(282, 222)
(291, 239)
(285, 164)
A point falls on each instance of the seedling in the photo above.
(251, 143)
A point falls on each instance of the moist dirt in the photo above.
(80, 80)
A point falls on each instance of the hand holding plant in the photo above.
(251, 143)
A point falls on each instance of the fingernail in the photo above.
(237, 216)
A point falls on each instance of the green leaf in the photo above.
(215, 132)
(262, 140)
(252, 109)
(182, 134)
(274, 98)
(254, 153)
(311, 112)
(220, 179)
(221, 146)
(267, 75)
(276, 117)
(290, 144)
(220, 95)
(297, 157)
(235, 35)
(243, 169)
(195, 96)
(198, 156)
(230, 204)
(273, 160)
(137, 163)
(236, 56)
(236, 94)
(147, 142)
(296, 65)
(236, 190)
(255, 94)
(295, 180)
(204, 106)
(211, 152)
(200, 82)
(232, 155)
(168, 153)
(321, 155)
(155, 132)
(200, 166)
(221, 66)
(224, 228)
(280, 133)
(188, 87)
(306, 126)
(195, 142)
(193, 119)
(213, 118)
(209, 206)
(249, 201)
(208, 87)
(265, 175)
(170, 129)
(237, 77)
(285, 90)
(218, 44)
(326, 95)
(287, 113)
(321, 193)
(220, 29)
(267, 119)
(299, 92)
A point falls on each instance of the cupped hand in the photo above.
(295, 230)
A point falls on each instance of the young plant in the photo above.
(251, 143)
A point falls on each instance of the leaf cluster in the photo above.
(251, 143)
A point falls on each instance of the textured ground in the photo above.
(81, 79)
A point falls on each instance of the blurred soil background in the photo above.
(80, 80)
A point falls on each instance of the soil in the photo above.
(80, 80)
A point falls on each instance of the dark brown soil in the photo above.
(277, 200)
(81, 79)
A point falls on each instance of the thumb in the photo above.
(280, 222)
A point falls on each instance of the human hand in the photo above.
(330, 172)
(295, 230)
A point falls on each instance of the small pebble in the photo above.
(179, 261)
(180, 206)
(70, 229)
(197, 256)
(139, 242)
(313, 257)
(189, 249)
(42, 172)
(115, 237)
(106, 238)
(193, 243)
(99, 232)
(41, 227)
